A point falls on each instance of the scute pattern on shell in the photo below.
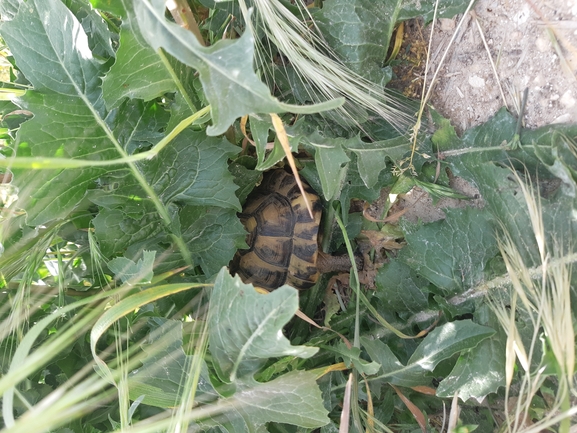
(282, 236)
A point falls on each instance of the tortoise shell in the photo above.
(282, 236)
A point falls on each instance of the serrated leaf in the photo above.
(160, 378)
(211, 234)
(66, 103)
(452, 253)
(127, 270)
(138, 71)
(245, 327)
(371, 156)
(359, 32)
(293, 398)
(194, 170)
(484, 157)
(226, 68)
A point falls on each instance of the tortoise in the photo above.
(282, 237)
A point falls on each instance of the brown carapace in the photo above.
(282, 236)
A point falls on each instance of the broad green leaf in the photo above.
(293, 398)
(160, 378)
(115, 7)
(138, 125)
(446, 340)
(127, 270)
(116, 231)
(484, 157)
(371, 156)
(440, 344)
(452, 253)
(226, 68)
(211, 234)
(138, 71)
(245, 179)
(193, 170)
(486, 361)
(401, 289)
(61, 49)
(245, 327)
(401, 375)
(331, 161)
(63, 126)
(359, 32)
(67, 106)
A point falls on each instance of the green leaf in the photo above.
(440, 344)
(452, 253)
(127, 270)
(484, 158)
(211, 234)
(67, 106)
(61, 49)
(226, 68)
(115, 7)
(194, 170)
(161, 376)
(446, 340)
(99, 36)
(138, 71)
(63, 126)
(352, 356)
(371, 156)
(486, 361)
(395, 372)
(245, 327)
(401, 289)
(359, 32)
(294, 398)
(331, 161)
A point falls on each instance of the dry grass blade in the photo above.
(426, 93)
(329, 78)
(544, 303)
(417, 413)
(454, 413)
(283, 138)
(346, 413)
(474, 15)
(183, 16)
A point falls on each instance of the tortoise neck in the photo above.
(327, 263)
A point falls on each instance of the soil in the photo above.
(533, 45)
